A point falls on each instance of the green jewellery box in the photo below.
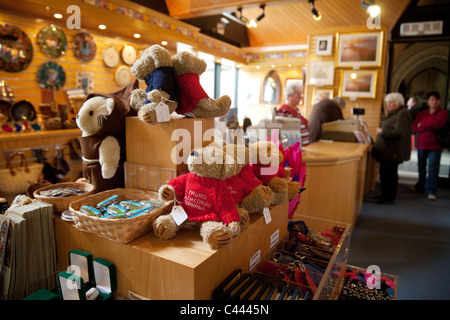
(87, 278)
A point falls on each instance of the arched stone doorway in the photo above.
(419, 68)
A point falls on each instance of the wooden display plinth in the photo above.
(183, 268)
(166, 144)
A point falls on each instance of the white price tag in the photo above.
(274, 238)
(162, 112)
(178, 214)
(255, 259)
(267, 216)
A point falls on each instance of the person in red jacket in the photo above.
(428, 147)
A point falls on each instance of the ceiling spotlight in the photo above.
(262, 15)
(58, 15)
(316, 14)
(101, 26)
(371, 8)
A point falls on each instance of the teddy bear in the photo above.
(194, 101)
(265, 159)
(155, 67)
(248, 190)
(173, 84)
(205, 198)
(101, 119)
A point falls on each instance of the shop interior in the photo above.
(55, 55)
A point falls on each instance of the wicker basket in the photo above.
(61, 204)
(119, 230)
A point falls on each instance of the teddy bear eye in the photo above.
(91, 113)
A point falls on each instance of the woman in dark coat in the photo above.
(393, 145)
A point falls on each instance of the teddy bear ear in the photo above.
(110, 105)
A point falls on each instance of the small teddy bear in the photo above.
(193, 100)
(205, 198)
(156, 69)
(265, 158)
(247, 189)
(102, 121)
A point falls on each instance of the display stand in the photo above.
(183, 268)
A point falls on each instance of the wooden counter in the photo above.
(335, 180)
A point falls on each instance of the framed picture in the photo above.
(324, 45)
(360, 49)
(320, 94)
(358, 83)
(321, 73)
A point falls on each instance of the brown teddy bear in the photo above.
(247, 189)
(265, 159)
(205, 198)
(156, 69)
(194, 101)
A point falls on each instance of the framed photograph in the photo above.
(320, 94)
(358, 84)
(360, 49)
(321, 73)
(324, 45)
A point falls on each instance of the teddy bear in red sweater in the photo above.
(205, 198)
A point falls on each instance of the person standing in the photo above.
(429, 150)
(290, 109)
(413, 107)
(325, 110)
(393, 145)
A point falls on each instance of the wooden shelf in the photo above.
(183, 268)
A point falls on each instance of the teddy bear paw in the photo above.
(166, 193)
(165, 227)
(219, 238)
(137, 99)
(147, 114)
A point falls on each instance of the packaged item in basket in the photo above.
(114, 216)
(140, 211)
(91, 211)
(154, 204)
(115, 209)
(130, 204)
(111, 200)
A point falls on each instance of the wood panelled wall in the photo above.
(24, 84)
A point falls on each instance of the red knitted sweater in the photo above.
(191, 92)
(205, 199)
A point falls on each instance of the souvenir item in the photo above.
(110, 57)
(6, 93)
(4, 110)
(51, 75)
(52, 41)
(16, 49)
(22, 111)
(84, 46)
(123, 76)
(129, 54)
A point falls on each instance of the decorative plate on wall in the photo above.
(51, 75)
(123, 76)
(110, 57)
(129, 54)
(22, 111)
(52, 41)
(16, 49)
(84, 46)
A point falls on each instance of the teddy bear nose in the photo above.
(194, 153)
